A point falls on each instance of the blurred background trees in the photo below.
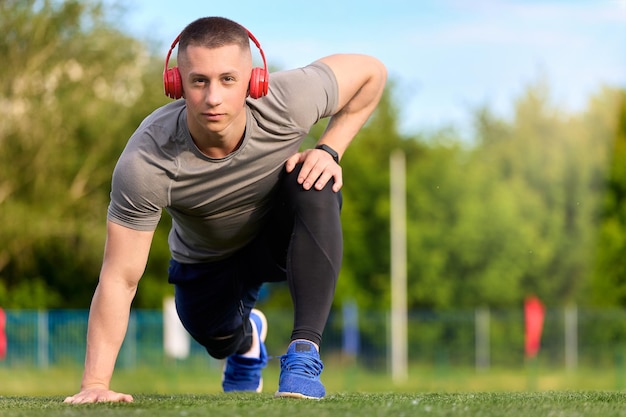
(71, 92)
(535, 203)
(609, 277)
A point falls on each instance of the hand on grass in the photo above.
(98, 395)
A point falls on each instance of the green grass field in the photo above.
(588, 404)
(186, 392)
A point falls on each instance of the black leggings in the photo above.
(302, 244)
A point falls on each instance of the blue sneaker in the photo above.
(300, 371)
(242, 373)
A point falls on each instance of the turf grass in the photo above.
(492, 404)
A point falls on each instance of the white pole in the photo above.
(176, 340)
(483, 353)
(571, 338)
(43, 339)
(399, 350)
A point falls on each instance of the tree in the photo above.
(69, 99)
(609, 279)
(514, 212)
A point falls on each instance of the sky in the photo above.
(445, 58)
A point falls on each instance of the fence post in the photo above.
(43, 338)
(399, 320)
(571, 338)
(351, 338)
(128, 353)
(483, 352)
(176, 340)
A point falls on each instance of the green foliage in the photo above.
(525, 217)
(513, 212)
(69, 100)
(609, 280)
(28, 294)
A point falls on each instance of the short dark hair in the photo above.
(214, 32)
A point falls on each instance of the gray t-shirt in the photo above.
(217, 205)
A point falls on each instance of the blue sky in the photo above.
(446, 57)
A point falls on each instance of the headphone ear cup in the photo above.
(173, 83)
(259, 84)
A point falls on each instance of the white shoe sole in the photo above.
(262, 336)
(259, 314)
(278, 394)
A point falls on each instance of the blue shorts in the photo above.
(214, 299)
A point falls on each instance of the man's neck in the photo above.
(218, 144)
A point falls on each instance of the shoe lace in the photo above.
(303, 365)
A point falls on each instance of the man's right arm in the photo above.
(125, 256)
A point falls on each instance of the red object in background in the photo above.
(534, 313)
(3, 334)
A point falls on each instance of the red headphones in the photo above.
(259, 79)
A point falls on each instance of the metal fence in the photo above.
(477, 338)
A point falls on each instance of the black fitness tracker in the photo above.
(330, 150)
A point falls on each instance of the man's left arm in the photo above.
(361, 81)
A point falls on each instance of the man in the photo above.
(247, 207)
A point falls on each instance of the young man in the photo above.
(247, 207)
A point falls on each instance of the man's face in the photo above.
(215, 85)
